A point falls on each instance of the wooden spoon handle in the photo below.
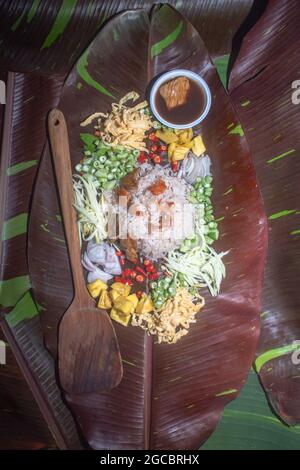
(62, 163)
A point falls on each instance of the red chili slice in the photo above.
(120, 279)
(175, 166)
(142, 159)
(154, 276)
(140, 270)
(150, 268)
(127, 272)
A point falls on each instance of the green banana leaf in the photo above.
(249, 424)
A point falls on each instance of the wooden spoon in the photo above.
(88, 351)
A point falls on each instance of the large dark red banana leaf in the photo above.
(18, 410)
(48, 36)
(274, 33)
(261, 88)
(44, 92)
(170, 396)
(28, 99)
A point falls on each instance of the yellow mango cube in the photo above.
(185, 136)
(198, 146)
(124, 305)
(171, 149)
(104, 300)
(123, 289)
(114, 294)
(145, 305)
(167, 136)
(122, 319)
(134, 299)
(179, 153)
(96, 287)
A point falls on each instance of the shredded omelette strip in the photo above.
(123, 125)
(172, 322)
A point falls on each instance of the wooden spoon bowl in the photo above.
(88, 353)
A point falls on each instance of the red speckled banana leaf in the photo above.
(48, 36)
(32, 96)
(28, 99)
(170, 396)
(261, 88)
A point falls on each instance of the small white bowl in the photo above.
(166, 77)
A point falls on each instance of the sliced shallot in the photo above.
(98, 274)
